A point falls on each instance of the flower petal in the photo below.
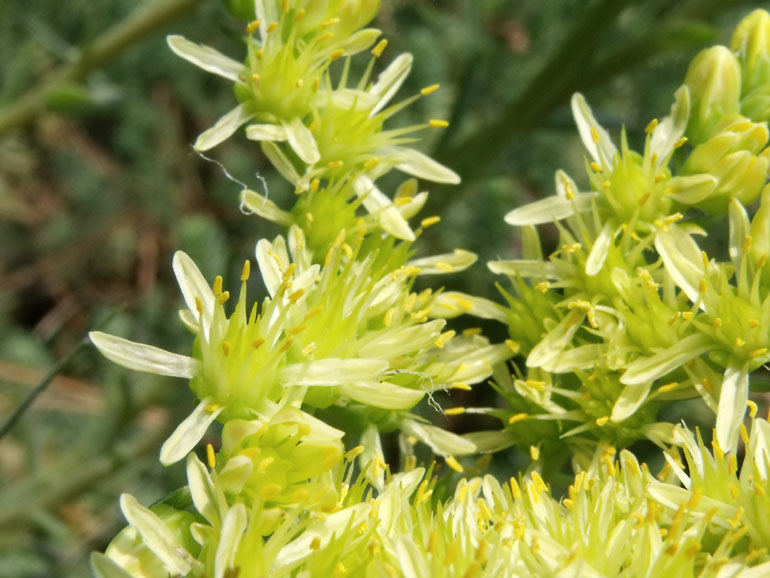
(269, 267)
(550, 209)
(414, 206)
(105, 567)
(157, 536)
(358, 41)
(264, 207)
(143, 357)
(648, 369)
(599, 250)
(419, 165)
(671, 129)
(331, 372)
(233, 527)
(629, 400)
(739, 230)
(732, 406)
(194, 288)
(223, 129)
(381, 394)
(401, 340)
(453, 303)
(459, 260)
(379, 205)
(189, 432)
(390, 80)
(594, 137)
(527, 268)
(271, 132)
(682, 259)
(206, 58)
(281, 162)
(301, 141)
(439, 440)
(556, 340)
(692, 189)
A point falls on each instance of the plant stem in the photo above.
(145, 20)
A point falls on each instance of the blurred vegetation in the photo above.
(99, 186)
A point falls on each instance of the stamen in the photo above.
(217, 286)
(444, 338)
(336, 164)
(430, 89)
(337, 54)
(594, 135)
(252, 26)
(377, 50)
(454, 411)
(210, 456)
(596, 167)
(512, 345)
(517, 418)
(534, 453)
(257, 343)
(272, 27)
(454, 464)
(651, 126)
(222, 299)
(428, 221)
(752, 408)
(438, 123)
(246, 271)
(371, 163)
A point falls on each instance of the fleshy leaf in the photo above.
(206, 58)
(189, 432)
(141, 357)
(223, 129)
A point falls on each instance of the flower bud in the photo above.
(240, 9)
(751, 42)
(714, 80)
(736, 156)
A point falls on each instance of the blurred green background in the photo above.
(99, 186)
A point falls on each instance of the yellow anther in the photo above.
(702, 286)
(258, 342)
(253, 26)
(692, 503)
(325, 37)
(739, 342)
(289, 272)
(272, 27)
(744, 435)
(461, 385)
(379, 48)
(718, 451)
(330, 22)
(758, 352)
(512, 345)
(222, 299)
(371, 163)
(246, 271)
(299, 15)
(680, 142)
(299, 84)
(752, 408)
(255, 79)
(543, 286)
(717, 323)
(315, 544)
(347, 250)
(602, 421)
(471, 331)
(535, 384)
(455, 411)
(297, 329)
(687, 315)
(210, 456)
(429, 89)
(309, 218)
(308, 349)
(753, 323)
(517, 418)
(659, 178)
(594, 135)
(454, 464)
(428, 221)
(606, 184)
(226, 348)
(444, 338)
(734, 491)
(337, 54)
(336, 165)
(438, 123)
(651, 126)
(668, 387)
(596, 167)
(515, 490)
(353, 453)
(294, 297)
(287, 345)
(260, 54)
(199, 305)
(534, 453)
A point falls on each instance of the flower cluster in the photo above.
(626, 314)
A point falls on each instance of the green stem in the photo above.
(141, 23)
